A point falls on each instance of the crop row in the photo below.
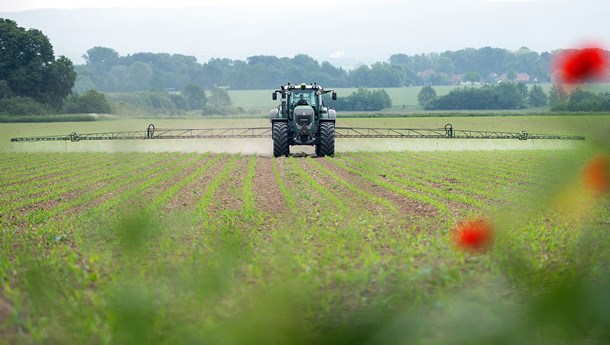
(346, 184)
(199, 234)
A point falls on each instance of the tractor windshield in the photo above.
(304, 97)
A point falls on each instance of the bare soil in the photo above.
(228, 196)
(267, 194)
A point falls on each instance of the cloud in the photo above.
(337, 55)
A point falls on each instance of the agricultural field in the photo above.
(121, 246)
(404, 99)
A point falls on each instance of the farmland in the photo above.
(404, 99)
(188, 246)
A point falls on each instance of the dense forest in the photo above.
(105, 70)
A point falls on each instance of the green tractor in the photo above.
(302, 118)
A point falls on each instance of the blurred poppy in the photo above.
(474, 235)
(596, 175)
(582, 65)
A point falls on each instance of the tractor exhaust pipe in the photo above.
(283, 106)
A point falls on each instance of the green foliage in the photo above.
(150, 103)
(23, 106)
(108, 71)
(219, 98)
(364, 100)
(585, 101)
(219, 103)
(46, 118)
(504, 95)
(170, 248)
(101, 58)
(378, 75)
(511, 75)
(537, 97)
(472, 77)
(195, 96)
(426, 95)
(29, 69)
(488, 62)
(5, 90)
(139, 76)
(89, 102)
(557, 95)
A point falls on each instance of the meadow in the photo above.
(404, 99)
(192, 245)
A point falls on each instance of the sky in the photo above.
(344, 32)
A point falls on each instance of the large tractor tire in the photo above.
(280, 139)
(326, 142)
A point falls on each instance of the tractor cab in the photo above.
(303, 97)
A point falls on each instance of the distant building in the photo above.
(426, 73)
(521, 77)
(457, 79)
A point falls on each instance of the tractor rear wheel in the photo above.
(326, 142)
(280, 139)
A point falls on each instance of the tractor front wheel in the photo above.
(280, 139)
(326, 142)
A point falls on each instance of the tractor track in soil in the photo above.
(403, 204)
(356, 202)
(228, 196)
(267, 194)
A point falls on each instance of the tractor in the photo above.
(302, 118)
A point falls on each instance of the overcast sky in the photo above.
(343, 32)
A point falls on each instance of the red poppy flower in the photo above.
(596, 175)
(473, 235)
(577, 66)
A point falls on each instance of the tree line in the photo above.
(33, 81)
(106, 70)
(510, 95)
(505, 95)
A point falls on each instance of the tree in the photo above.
(219, 98)
(139, 76)
(101, 58)
(364, 100)
(28, 66)
(195, 96)
(522, 88)
(511, 75)
(425, 95)
(558, 95)
(89, 102)
(59, 80)
(5, 91)
(501, 96)
(472, 77)
(537, 97)
(509, 95)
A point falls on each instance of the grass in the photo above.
(188, 248)
(404, 99)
